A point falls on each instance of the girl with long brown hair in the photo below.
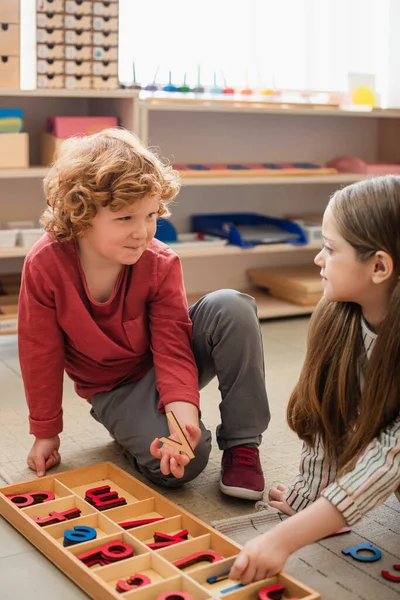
(346, 404)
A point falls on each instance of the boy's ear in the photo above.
(382, 266)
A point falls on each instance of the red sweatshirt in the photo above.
(101, 345)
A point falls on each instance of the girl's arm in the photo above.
(374, 477)
(265, 555)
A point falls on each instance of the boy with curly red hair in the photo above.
(102, 299)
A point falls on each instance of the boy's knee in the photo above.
(237, 305)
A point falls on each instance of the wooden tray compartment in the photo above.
(145, 509)
(138, 547)
(60, 505)
(156, 568)
(292, 589)
(179, 583)
(49, 484)
(81, 480)
(210, 541)
(170, 526)
(103, 526)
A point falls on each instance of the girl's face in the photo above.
(122, 237)
(345, 278)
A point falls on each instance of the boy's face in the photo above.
(122, 237)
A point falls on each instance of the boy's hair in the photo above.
(327, 402)
(110, 168)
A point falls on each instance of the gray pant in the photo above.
(227, 343)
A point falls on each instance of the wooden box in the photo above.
(50, 51)
(9, 39)
(55, 6)
(9, 11)
(122, 532)
(82, 7)
(14, 151)
(50, 81)
(300, 285)
(9, 72)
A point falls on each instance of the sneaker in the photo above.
(241, 473)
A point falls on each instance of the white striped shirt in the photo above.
(374, 477)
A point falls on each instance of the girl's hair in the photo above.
(327, 402)
(110, 168)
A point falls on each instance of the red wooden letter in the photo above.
(139, 522)
(57, 517)
(205, 555)
(273, 592)
(31, 498)
(175, 596)
(103, 498)
(104, 555)
(133, 582)
(387, 575)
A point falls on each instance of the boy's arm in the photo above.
(374, 477)
(41, 352)
(171, 340)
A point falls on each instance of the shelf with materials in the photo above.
(207, 133)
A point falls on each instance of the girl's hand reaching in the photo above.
(276, 499)
(44, 455)
(171, 461)
(262, 557)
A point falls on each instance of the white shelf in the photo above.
(30, 173)
(202, 252)
(338, 178)
(247, 107)
(229, 250)
(49, 93)
(268, 306)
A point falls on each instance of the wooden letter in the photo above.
(79, 534)
(24, 500)
(183, 446)
(104, 555)
(138, 523)
(354, 552)
(57, 517)
(175, 596)
(162, 540)
(103, 498)
(273, 592)
(387, 575)
(192, 559)
(133, 582)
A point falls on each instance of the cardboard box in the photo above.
(105, 68)
(50, 66)
(9, 72)
(52, 82)
(80, 7)
(52, 51)
(105, 23)
(78, 67)
(55, 6)
(301, 285)
(64, 127)
(9, 11)
(105, 9)
(50, 20)
(105, 38)
(9, 39)
(50, 36)
(78, 22)
(78, 38)
(105, 53)
(105, 83)
(49, 146)
(78, 52)
(14, 151)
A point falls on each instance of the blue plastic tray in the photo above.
(226, 225)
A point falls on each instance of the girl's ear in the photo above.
(382, 267)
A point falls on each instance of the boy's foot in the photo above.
(241, 473)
